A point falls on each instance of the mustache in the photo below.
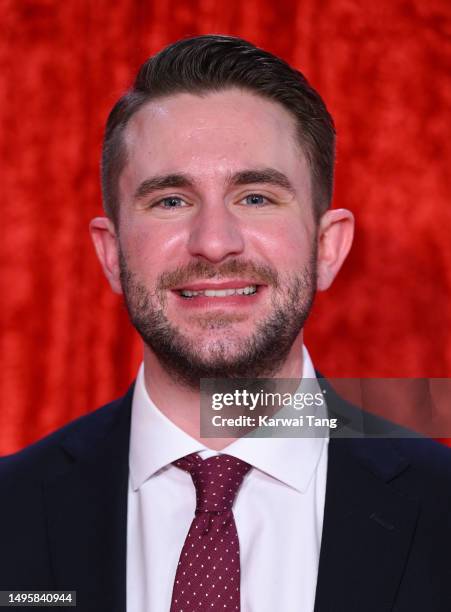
(261, 274)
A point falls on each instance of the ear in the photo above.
(106, 244)
(336, 231)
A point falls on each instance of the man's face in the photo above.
(216, 233)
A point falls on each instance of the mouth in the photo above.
(219, 293)
(233, 293)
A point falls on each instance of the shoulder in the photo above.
(388, 450)
(51, 454)
(429, 461)
(415, 468)
(425, 456)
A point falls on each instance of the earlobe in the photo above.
(336, 231)
(106, 244)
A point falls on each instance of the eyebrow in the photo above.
(166, 181)
(267, 176)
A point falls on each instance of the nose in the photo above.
(216, 233)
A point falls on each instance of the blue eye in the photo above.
(171, 202)
(255, 199)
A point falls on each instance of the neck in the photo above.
(181, 404)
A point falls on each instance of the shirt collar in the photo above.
(155, 442)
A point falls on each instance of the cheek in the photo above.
(151, 249)
(285, 246)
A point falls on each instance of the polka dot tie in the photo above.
(208, 573)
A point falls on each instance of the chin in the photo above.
(226, 348)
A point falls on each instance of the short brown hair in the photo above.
(213, 63)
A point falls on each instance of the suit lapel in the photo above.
(87, 511)
(368, 527)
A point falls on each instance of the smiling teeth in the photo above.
(249, 290)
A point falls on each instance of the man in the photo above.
(217, 180)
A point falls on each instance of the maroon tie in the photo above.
(208, 573)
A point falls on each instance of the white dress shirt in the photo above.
(278, 511)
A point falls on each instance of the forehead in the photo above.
(210, 135)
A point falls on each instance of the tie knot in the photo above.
(217, 480)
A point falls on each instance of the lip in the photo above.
(228, 284)
(229, 303)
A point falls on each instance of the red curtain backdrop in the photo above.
(384, 69)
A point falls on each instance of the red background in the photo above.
(384, 69)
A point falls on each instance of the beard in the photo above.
(228, 356)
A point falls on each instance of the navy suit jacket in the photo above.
(386, 543)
